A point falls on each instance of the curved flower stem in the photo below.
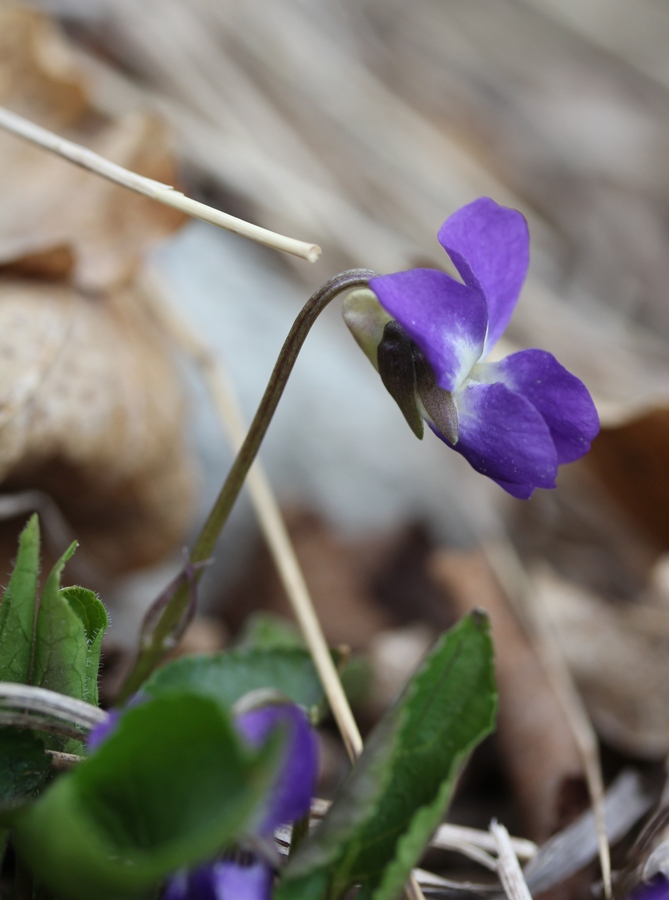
(158, 643)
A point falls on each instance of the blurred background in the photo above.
(360, 126)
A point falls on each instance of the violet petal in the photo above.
(446, 319)
(290, 796)
(490, 247)
(561, 398)
(177, 887)
(503, 436)
(236, 882)
(221, 881)
(99, 734)
(519, 491)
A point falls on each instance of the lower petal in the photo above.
(503, 436)
(236, 882)
(561, 398)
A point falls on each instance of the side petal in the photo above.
(503, 436)
(561, 398)
(490, 247)
(446, 319)
(290, 796)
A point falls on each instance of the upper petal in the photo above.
(561, 398)
(503, 436)
(445, 318)
(490, 247)
(290, 795)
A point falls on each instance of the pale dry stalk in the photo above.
(513, 579)
(162, 193)
(508, 867)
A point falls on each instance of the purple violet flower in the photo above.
(657, 889)
(288, 800)
(514, 420)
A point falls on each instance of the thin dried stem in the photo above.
(29, 722)
(50, 703)
(64, 761)
(162, 193)
(451, 837)
(514, 581)
(508, 867)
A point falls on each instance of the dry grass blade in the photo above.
(162, 193)
(458, 837)
(511, 574)
(508, 867)
(51, 703)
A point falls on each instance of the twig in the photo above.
(28, 722)
(508, 867)
(449, 837)
(162, 193)
(64, 760)
(514, 581)
(77, 712)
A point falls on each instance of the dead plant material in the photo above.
(90, 414)
(337, 572)
(618, 654)
(91, 405)
(534, 736)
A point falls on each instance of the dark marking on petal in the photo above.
(396, 368)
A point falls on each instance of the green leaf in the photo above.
(396, 794)
(68, 636)
(229, 675)
(169, 788)
(93, 616)
(60, 641)
(269, 631)
(17, 613)
(24, 766)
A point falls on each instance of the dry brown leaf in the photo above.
(633, 461)
(91, 408)
(91, 413)
(58, 221)
(338, 572)
(619, 655)
(37, 74)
